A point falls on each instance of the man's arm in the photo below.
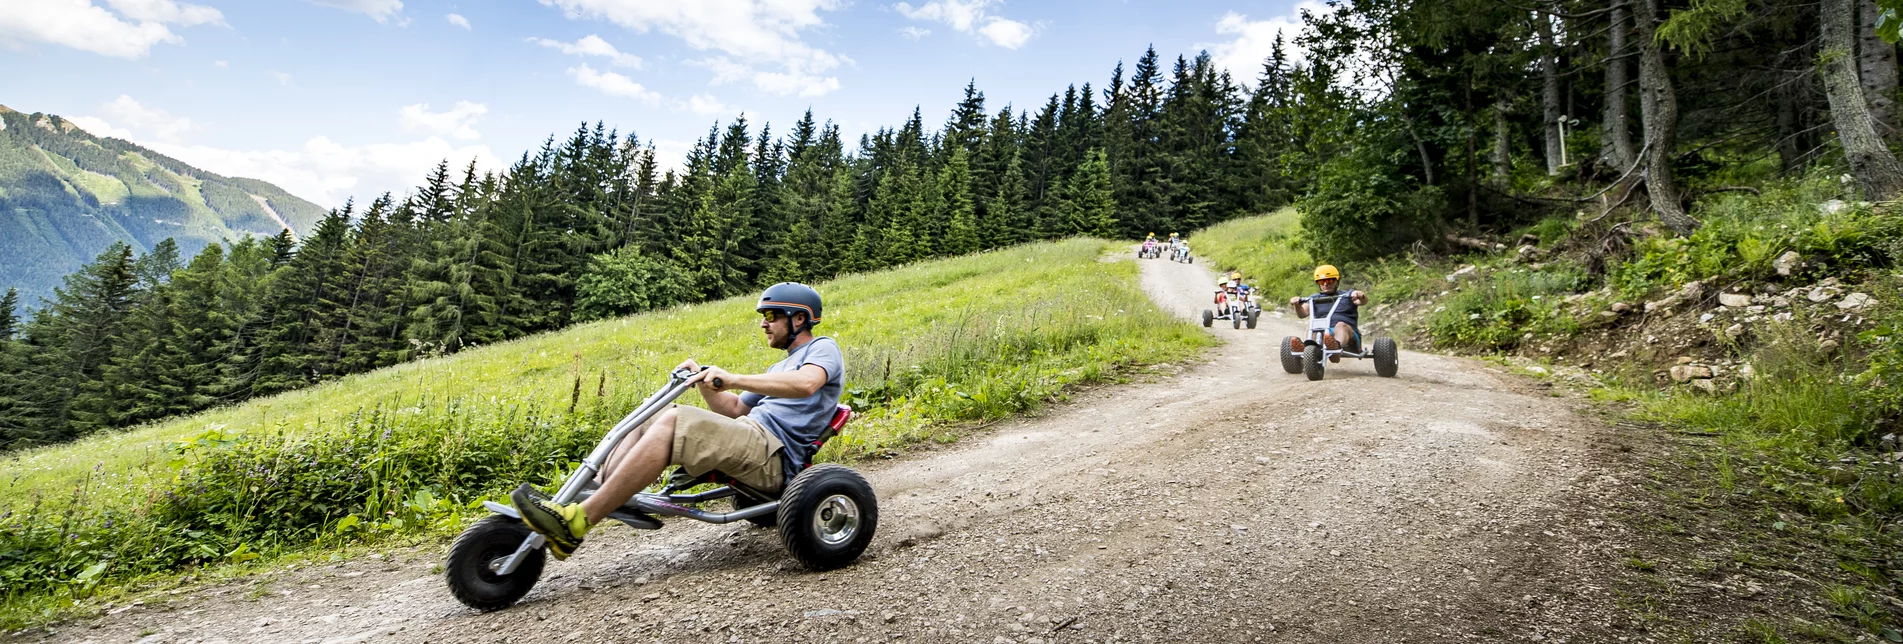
(800, 383)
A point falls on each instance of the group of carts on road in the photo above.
(1236, 302)
(1176, 247)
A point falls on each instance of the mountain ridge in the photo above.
(67, 194)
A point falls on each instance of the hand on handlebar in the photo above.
(712, 379)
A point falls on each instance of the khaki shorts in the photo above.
(738, 447)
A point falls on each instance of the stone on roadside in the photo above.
(1458, 273)
(1734, 300)
(1821, 294)
(1705, 385)
(1620, 307)
(1734, 331)
(1689, 372)
(1854, 301)
(1692, 290)
(1664, 304)
(1787, 263)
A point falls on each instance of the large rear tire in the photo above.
(1312, 362)
(1209, 317)
(1253, 316)
(1291, 361)
(1387, 357)
(1235, 318)
(470, 578)
(828, 516)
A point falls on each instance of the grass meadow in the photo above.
(413, 449)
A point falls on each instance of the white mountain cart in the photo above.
(1310, 355)
(826, 516)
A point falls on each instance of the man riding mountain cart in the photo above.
(759, 445)
(1333, 330)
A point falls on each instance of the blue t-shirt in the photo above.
(1345, 312)
(798, 422)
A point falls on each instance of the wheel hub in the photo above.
(837, 520)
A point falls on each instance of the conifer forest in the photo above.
(1390, 124)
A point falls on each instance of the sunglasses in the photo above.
(770, 316)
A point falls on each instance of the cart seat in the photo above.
(841, 415)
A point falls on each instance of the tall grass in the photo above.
(418, 446)
(1265, 248)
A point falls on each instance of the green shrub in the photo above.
(625, 281)
(1363, 207)
(1494, 313)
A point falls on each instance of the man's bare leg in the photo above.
(1343, 334)
(636, 469)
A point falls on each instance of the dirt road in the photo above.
(1225, 501)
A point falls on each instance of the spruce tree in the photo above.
(9, 314)
(86, 325)
(1090, 202)
(954, 189)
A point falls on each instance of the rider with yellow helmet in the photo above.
(1345, 319)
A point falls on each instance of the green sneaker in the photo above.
(564, 525)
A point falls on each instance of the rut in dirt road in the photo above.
(1228, 501)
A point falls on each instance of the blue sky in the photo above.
(335, 98)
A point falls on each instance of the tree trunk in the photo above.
(1791, 147)
(1473, 170)
(1502, 155)
(1549, 93)
(1420, 146)
(1618, 134)
(1875, 167)
(1876, 67)
(1658, 108)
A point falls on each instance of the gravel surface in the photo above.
(1224, 501)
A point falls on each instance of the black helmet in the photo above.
(790, 298)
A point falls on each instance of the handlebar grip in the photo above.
(718, 384)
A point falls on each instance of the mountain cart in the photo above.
(1310, 355)
(826, 515)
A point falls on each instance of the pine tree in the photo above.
(9, 316)
(954, 189)
(1090, 202)
(85, 327)
(1007, 221)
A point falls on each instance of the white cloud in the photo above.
(1009, 34)
(168, 12)
(220, 64)
(706, 104)
(753, 34)
(458, 20)
(914, 33)
(380, 10)
(322, 170)
(1253, 40)
(284, 78)
(328, 172)
(971, 17)
(127, 118)
(592, 45)
(783, 83)
(612, 84)
(131, 33)
(458, 122)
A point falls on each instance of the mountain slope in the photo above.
(65, 195)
